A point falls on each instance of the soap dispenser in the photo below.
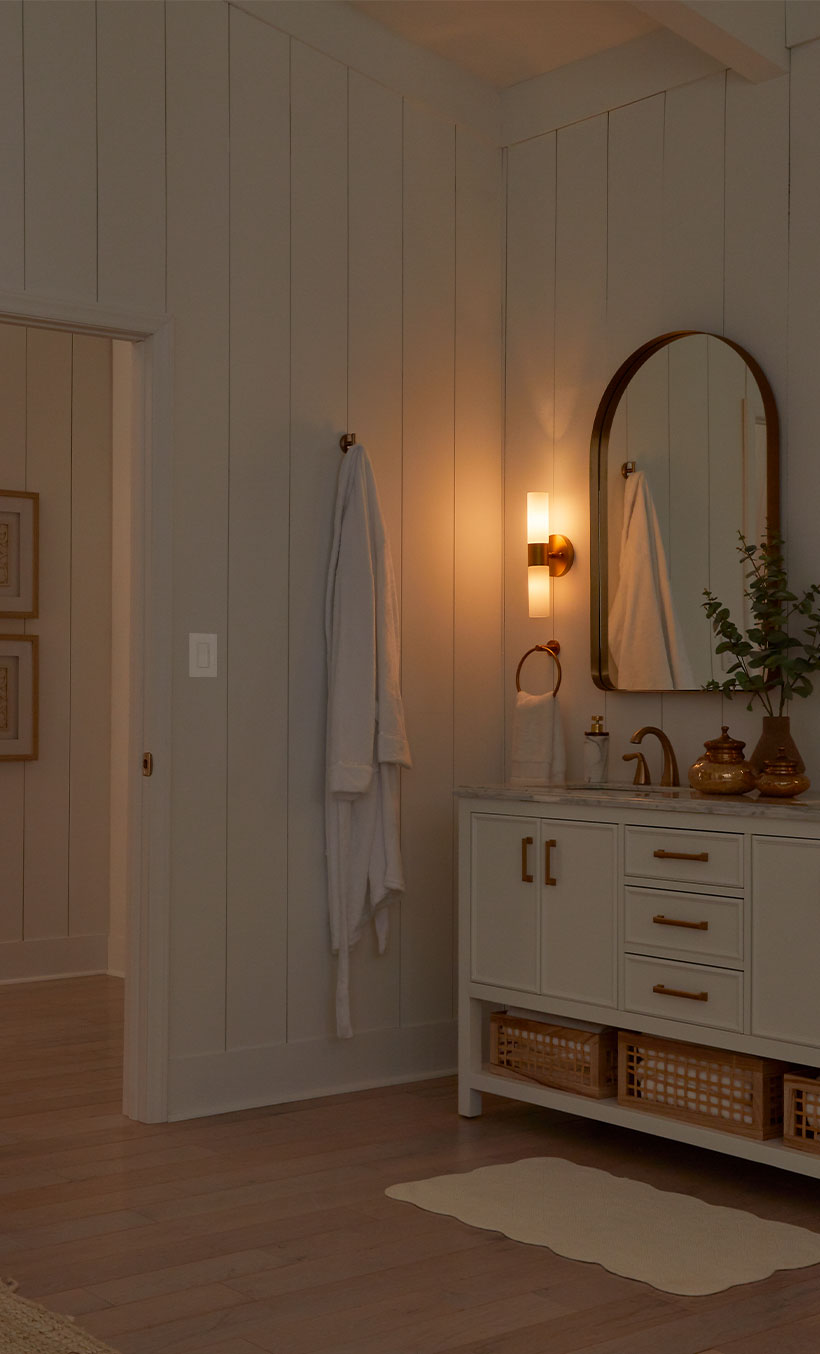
(596, 751)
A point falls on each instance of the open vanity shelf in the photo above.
(571, 904)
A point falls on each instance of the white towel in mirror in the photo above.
(645, 637)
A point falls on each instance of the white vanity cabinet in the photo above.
(662, 913)
(785, 934)
(543, 906)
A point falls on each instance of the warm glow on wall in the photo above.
(547, 555)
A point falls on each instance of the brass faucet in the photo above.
(669, 775)
(642, 776)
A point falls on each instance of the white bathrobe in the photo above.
(366, 739)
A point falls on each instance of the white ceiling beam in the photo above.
(747, 36)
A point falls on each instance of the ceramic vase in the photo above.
(774, 741)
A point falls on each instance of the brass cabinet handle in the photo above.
(677, 992)
(525, 877)
(673, 921)
(548, 879)
(682, 855)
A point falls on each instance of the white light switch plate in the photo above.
(201, 655)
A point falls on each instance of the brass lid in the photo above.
(781, 765)
(724, 749)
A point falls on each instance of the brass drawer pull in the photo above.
(525, 877)
(676, 992)
(673, 921)
(682, 855)
(548, 879)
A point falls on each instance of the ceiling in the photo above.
(506, 41)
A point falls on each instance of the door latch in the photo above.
(147, 763)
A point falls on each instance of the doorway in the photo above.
(87, 413)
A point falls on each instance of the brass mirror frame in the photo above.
(599, 448)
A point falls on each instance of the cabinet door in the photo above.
(505, 912)
(579, 903)
(786, 939)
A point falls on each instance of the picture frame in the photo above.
(19, 705)
(19, 554)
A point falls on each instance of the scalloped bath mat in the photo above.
(28, 1328)
(671, 1241)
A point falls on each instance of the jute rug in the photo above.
(671, 1241)
(28, 1328)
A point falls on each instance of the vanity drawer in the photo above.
(715, 994)
(679, 854)
(665, 922)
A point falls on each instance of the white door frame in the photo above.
(145, 1073)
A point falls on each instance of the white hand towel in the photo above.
(538, 755)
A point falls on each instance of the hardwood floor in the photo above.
(269, 1229)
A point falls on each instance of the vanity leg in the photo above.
(469, 1102)
(469, 1055)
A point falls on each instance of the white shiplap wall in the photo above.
(329, 251)
(671, 211)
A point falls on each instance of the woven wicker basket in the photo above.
(733, 1092)
(801, 1117)
(554, 1055)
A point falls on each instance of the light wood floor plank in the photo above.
(269, 1229)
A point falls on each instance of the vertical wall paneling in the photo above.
(757, 213)
(131, 153)
(693, 244)
(319, 414)
(634, 314)
(693, 186)
(581, 373)
(259, 534)
(47, 778)
(757, 271)
(479, 676)
(375, 401)
(634, 226)
(12, 476)
(528, 396)
(197, 64)
(89, 774)
(427, 566)
(799, 467)
(61, 148)
(12, 217)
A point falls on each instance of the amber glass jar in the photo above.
(722, 769)
(782, 778)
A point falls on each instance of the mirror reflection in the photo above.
(684, 456)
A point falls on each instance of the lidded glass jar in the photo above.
(781, 777)
(722, 769)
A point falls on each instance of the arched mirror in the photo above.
(684, 456)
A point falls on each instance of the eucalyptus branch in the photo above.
(768, 658)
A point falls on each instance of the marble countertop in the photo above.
(678, 799)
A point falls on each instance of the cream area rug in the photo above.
(671, 1241)
(28, 1328)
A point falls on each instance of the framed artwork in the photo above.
(19, 541)
(18, 698)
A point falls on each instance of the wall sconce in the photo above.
(548, 556)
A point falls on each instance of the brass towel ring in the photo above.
(553, 649)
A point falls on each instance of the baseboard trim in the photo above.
(27, 961)
(218, 1083)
